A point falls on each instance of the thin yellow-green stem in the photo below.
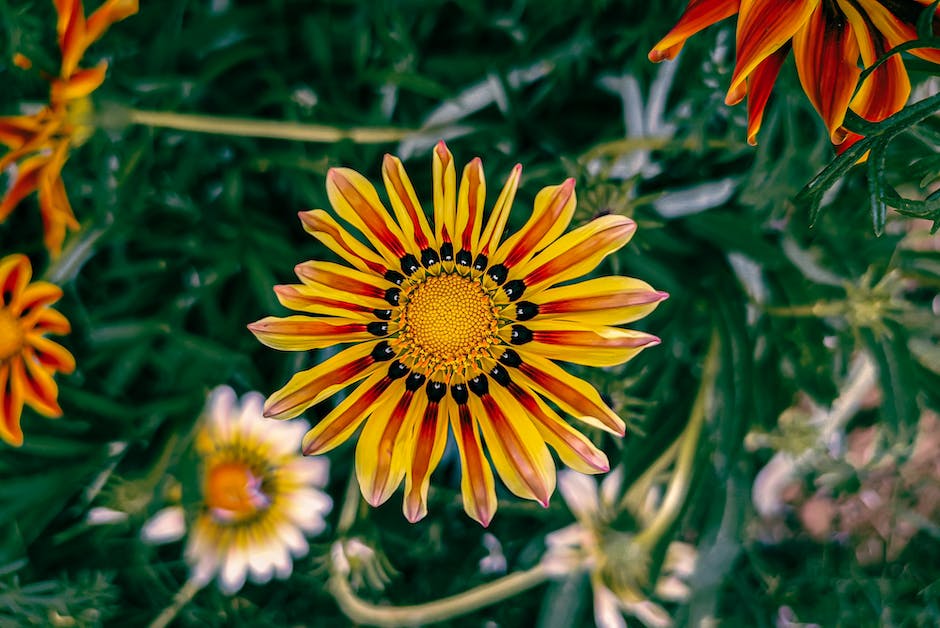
(272, 129)
(682, 474)
(183, 597)
(347, 515)
(361, 612)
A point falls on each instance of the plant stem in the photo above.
(361, 612)
(347, 515)
(273, 129)
(183, 597)
(682, 475)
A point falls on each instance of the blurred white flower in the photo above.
(260, 497)
(101, 515)
(617, 565)
(495, 561)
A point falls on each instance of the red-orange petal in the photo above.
(759, 86)
(698, 15)
(763, 27)
(826, 53)
(11, 407)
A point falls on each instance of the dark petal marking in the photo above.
(520, 335)
(447, 252)
(436, 391)
(391, 295)
(409, 264)
(394, 276)
(501, 375)
(514, 289)
(510, 358)
(414, 381)
(459, 393)
(480, 262)
(480, 385)
(498, 273)
(385, 315)
(382, 352)
(526, 310)
(397, 370)
(429, 258)
(464, 257)
(377, 328)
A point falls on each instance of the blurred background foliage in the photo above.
(184, 235)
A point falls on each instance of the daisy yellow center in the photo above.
(11, 335)
(447, 323)
(233, 491)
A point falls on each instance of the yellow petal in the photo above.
(471, 198)
(324, 228)
(583, 344)
(337, 426)
(408, 212)
(552, 212)
(601, 301)
(493, 231)
(445, 194)
(476, 481)
(302, 333)
(426, 448)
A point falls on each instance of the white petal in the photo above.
(283, 566)
(100, 515)
(580, 493)
(234, 571)
(651, 614)
(767, 491)
(261, 562)
(607, 608)
(221, 405)
(293, 539)
(314, 471)
(610, 487)
(165, 526)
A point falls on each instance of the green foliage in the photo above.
(183, 236)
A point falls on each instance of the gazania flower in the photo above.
(617, 565)
(28, 360)
(39, 144)
(449, 323)
(259, 497)
(827, 38)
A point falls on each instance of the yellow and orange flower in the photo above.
(39, 144)
(827, 38)
(450, 324)
(28, 360)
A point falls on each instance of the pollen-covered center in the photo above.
(11, 335)
(447, 323)
(234, 492)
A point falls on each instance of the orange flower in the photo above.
(40, 143)
(28, 360)
(827, 38)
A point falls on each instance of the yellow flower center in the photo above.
(447, 323)
(11, 335)
(233, 492)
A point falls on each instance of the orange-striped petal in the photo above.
(495, 224)
(826, 53)
(302, 333)
(577, 252)
(15, 131)
(312, 386)
(380, 454)
(575, 396)
(601, 301)
(107, 14)
(552, 212)
(51, 354)
(47, 321)
(356, 202)
(327, 301)
(337, 426)
(897, 22)
(426, 448)
(471, 198)
(763, 27)
(401, 194)
(573, 447)
(759, 86)
(40, 391)
(71, 30)
(886, 90)
(26, 182)
(11, 406)
(699, 14)
(15, 273)
(79, 84)
(476, 482)
(516, 448)
(35, 296)
(342, 278)
(580, 344)
(324, 228)
(444, 177)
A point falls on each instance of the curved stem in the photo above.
(273, 129)
(183, 597)
(361, 612)
(682, 475)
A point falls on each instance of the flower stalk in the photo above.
(271, 129)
